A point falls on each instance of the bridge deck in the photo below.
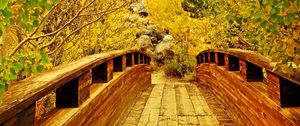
(171, 102)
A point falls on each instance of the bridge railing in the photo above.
(253, 69)
(252, 66)
(70, 82)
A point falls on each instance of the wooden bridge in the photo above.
(233, 87)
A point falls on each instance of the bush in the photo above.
(179, 69)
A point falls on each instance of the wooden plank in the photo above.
(136, 111)
(168, 112)
(208, 120)
(183, 101)
(188, 121)
(199, 103)
(150, 115)
(168, 104)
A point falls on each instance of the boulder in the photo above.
(139, 8)
(165, 44)
(144, 42)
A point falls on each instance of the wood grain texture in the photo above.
(23, 94)
(108, 101)
(248, 102)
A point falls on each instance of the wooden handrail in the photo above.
(254, 58)
(23, 94)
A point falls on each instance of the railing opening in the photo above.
(251, 72)
(206, 57)
(67, 95)
(141, 58)
(100, 73)
(212, 57)
(290, 93)
(118, 64)
(233, 63)
(128, 60)
(136, 58)
(220, 59)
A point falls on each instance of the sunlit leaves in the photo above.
(271, 25)
(3, 4)
(29, 12)
(21, 65)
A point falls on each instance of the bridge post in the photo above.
(273, 87)
(133, 59)
(110, 70)
(24, 118)
(124, 62)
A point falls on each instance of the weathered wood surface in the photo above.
(248, 102)
(107, 101)
(23, 94)
(173, 103)
(252, 57)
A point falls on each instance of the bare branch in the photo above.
(49, 34)
(78, 29)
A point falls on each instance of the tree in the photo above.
(40, 34)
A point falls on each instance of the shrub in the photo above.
(179, 69)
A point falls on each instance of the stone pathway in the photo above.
(172, 103)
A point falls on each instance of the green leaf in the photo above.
(36, 23)
(271, 2)
(273, 27)
(56, 1)
(298, 2)
(263, 24)
(47, 6)
(13, 77)
(264, 2)
(2, 26)
(217, 9)
(3, 4)
(29, 27)
(280, 19)
(40, 68)
(3, 60)
(18, 67)
(45, 59)
(7, 13)
(33, 3)
(33, 69)
(7, 77)
(285, 4)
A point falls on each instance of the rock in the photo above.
(139, 8)
(144, 42)
(166, 44)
